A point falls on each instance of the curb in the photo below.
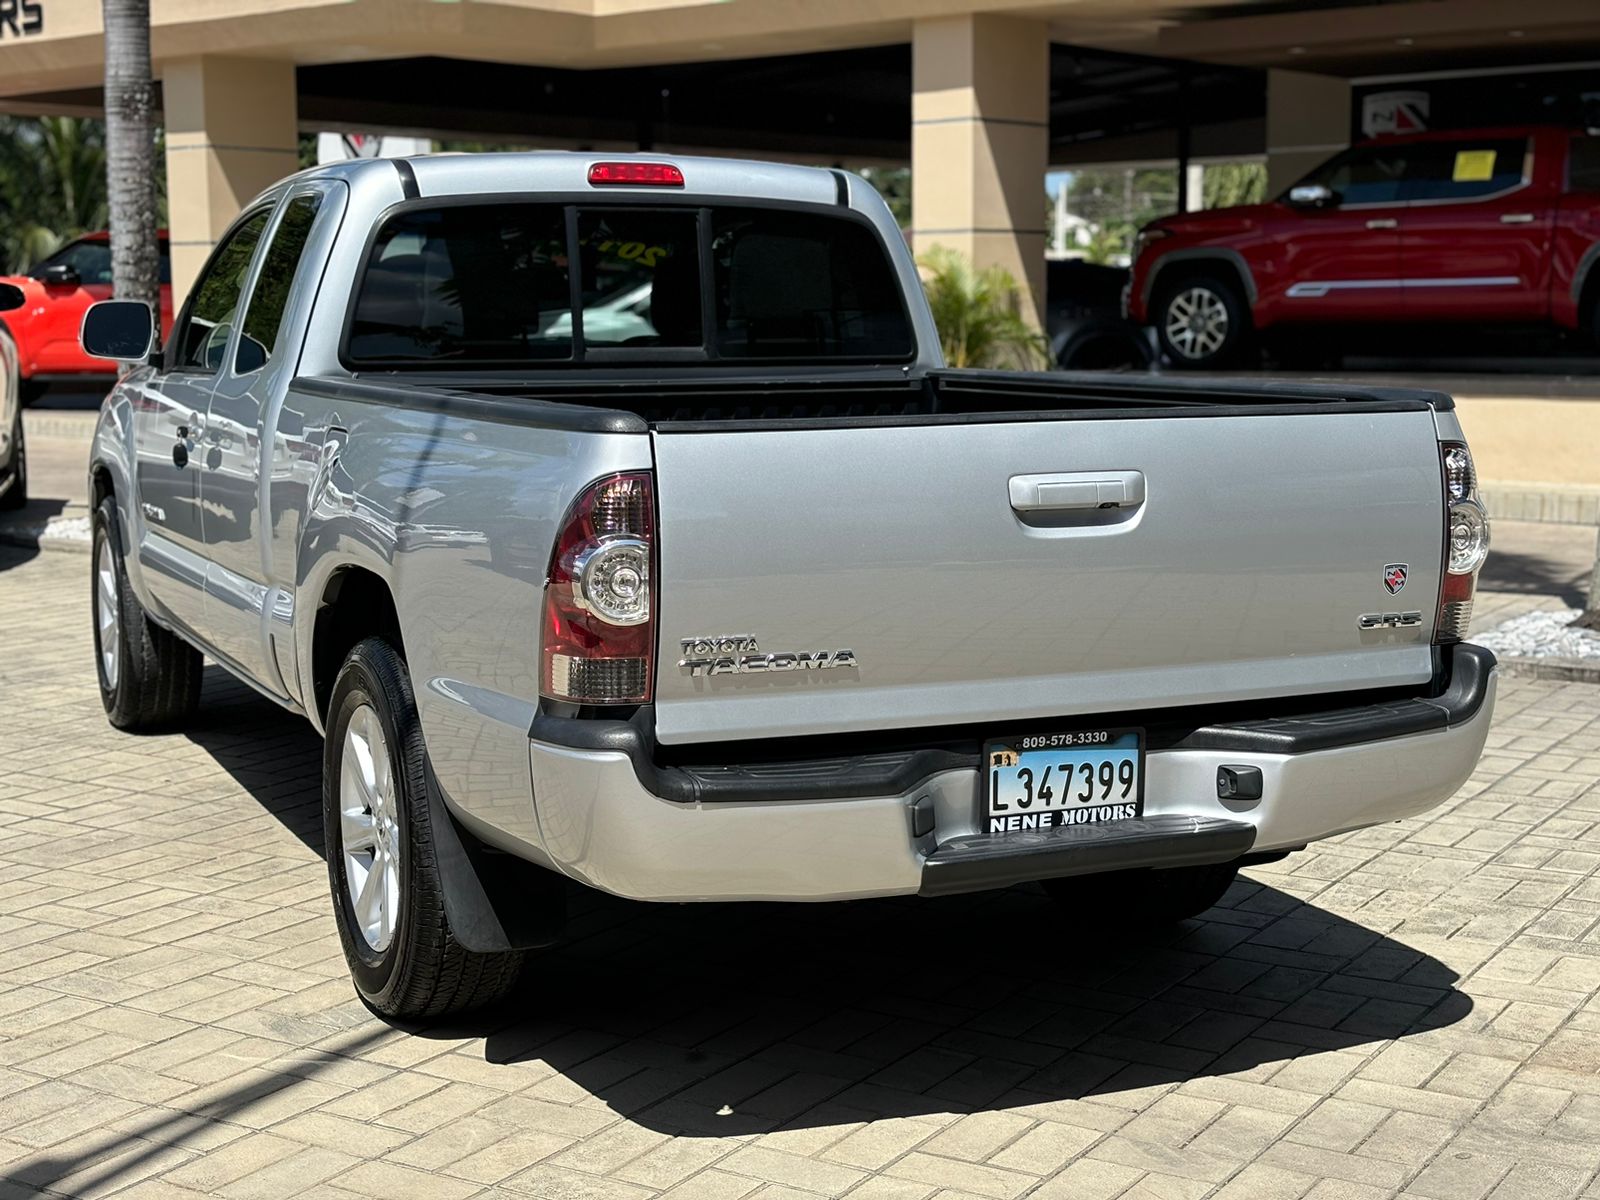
(24, 540)
(38, 536)
(1553, 503)
(1564, 670)
(74, 426)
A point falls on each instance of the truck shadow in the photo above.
(729, 1019)
(744, 1018)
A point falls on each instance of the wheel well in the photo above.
(100, 485)
(355, 604)
(1589, 298)
(1168, 278)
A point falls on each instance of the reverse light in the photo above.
(599, 629)
(1466, 543)
(636, 174)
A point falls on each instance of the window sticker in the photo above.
(1473, 166)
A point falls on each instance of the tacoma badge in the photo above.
(739, 655)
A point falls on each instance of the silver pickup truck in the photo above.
(615, 520)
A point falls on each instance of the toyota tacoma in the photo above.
(614, 519)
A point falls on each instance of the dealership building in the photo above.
(980, 99)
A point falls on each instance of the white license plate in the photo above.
(1079, 777)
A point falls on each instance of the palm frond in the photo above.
(978, 313)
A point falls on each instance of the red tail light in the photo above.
(599, 601)
(637, 174)
(1466, 543)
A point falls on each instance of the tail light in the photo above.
(1466, 543)
(599, 600)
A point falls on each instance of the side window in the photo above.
(1464, 170)
(263, 315)
(214, 303)
(91, 260)
(1583, 168)
(1365, 175)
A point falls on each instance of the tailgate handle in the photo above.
(1077, 489)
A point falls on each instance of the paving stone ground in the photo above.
(1409, 1010)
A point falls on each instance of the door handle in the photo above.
(1516, 218)
(1383, 223)
(1077, 489)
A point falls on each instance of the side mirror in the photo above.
(1313, 195)
(11, 297)
(61, 275)
(121, 330)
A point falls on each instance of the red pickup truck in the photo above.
(57, 292)
(1486, 225)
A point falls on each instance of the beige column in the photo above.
(980, 126)
(231, 131)
(1308, 121)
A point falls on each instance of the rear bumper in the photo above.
(906, 821)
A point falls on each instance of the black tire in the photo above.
(155, 682)
(1122, 900)
(1205, 305)
(421, 971)
(16, 496)
(31, 391)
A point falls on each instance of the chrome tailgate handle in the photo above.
(1076, 490)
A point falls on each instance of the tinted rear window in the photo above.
(466, 286)
(493, 285)
(797, 285)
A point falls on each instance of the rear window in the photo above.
(465, 286)
(497, 285)
(798, 285)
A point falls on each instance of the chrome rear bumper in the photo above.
(602, 825)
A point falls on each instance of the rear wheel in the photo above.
(1145, 898)
(388, 899)
(1202, 322)
(149, 676)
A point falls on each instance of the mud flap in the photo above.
(494, 901)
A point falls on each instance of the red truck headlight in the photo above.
(599, 598)
(1466, 543)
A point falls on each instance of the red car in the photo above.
(56, 292)
(1488, 225)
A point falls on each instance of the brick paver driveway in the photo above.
(1407, 1010)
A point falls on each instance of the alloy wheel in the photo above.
(107, 611)
(1197, 322)
(369, 828)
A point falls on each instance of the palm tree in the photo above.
(52, 185)
(131, 152)
(979, 313)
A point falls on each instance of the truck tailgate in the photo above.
(974, 576)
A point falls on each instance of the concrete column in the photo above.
(1308, 121)
(231, 131)
(980, 113)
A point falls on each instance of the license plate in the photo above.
(1048, 780)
